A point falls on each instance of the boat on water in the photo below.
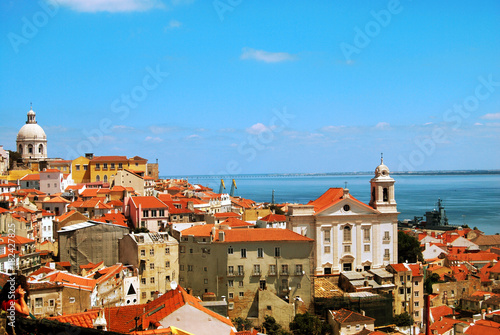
(434, 220)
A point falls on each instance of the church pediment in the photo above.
(348, 207)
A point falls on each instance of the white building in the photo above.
(350, 235)
(31, 140)
(46, 224)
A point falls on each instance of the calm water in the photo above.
(470, 199)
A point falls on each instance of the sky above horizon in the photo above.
(234, 86)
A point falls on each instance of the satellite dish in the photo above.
(173, 285)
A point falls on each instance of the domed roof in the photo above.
(382, 169)
(31, 130)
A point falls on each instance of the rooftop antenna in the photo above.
(345, 185)
(273, 198)
(381, 158)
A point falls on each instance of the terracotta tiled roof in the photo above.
(148, 202)
(262, 235)
(71, 280)
(57, 200)
(439, 311)
(330, 198)
(116, 218)
(65, 215)
(273, 218)
(235, 222)
(31, 177)
(347, 316)
(474, 257)
(198, 231)
(487, 240)
(3, 210)
(482, 327)
(109, 159)
(444, 325)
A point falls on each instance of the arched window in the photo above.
(40, 149)
(105, 178)
(386, 194)
(347, 234)
(20, 149)
(30, 149)
(373, 194)
(97, 178)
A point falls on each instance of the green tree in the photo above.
(242, 324)
(309, 324)
(408, 249)
(272, 327)
(431, 279)
(404, 319)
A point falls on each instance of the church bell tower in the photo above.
(382, 190)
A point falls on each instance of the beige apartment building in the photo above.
(244, 264)
(155, 256)
(409, 291)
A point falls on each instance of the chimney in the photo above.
(489, 310)
(346, 194)
(483, 313)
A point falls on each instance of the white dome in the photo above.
(31, 131)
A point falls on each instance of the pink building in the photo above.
(147, 212)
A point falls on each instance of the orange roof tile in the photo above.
(273, 218)
(148, 202)
(31, 177)
(330, 198)
(109, 159)
(198, 231)
(235, 222)
(58, 200)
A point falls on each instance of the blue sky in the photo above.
(230, 86)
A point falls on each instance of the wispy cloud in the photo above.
(332, 129)
(193, 137)
(383, 126)
(491, 116)
(257, 129)
(153, 139)
(266, 56)
(93, 6)
(173, 24)
(161, 129)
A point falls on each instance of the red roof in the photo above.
(121, 319)
(274, 218)
(483, 327)
(30, 177)
(115, 218)
(148, 202)
(439, 311)
(235, 222)
(444, 325)
(109, 159)
(71, 280)
(199, 230)
(474, 257)
(57, 200)
(262, 235)
(330, 198)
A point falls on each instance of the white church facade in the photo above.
(349, 234)
(31, 140)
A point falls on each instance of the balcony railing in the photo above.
(284, 273)
(256, 273)
(271, 273)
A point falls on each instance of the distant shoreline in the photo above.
(364, 173)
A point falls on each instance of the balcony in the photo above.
(256, 273)
(284, 273)
(230, 274)
(299, 273)
(271, 273)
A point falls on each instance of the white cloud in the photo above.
(383, 126)
(266, 56)
(332, 129)
(257, 129)
(92, 6)
(161, 129)
(428, 123)
(122, 127)
(173, 24)
(193, 137)
(478, 124)
(491, 116)
(153, 139)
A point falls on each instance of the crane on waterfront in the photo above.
(233, 187)
(222, 187)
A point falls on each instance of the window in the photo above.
(182, 249)
(367, 247)
(152, 280)
(205, 281)
(401, 279)
(151, 266)
(243, 253)
(284, 269)
(262, 284)
(347, 248)
(112, 166)
(230, 250)
(191, 251)
(298, 269)
(230, 270)
(77, 167)
(358, 327)
(205, 268)
(143, 252)
(181, 267)
(38, 302)
(240, 270)
(153, 213)
(272, 270)
(190, 268)
(347, 234)
(408, 278)
(386, 254)
(85, 167)
(260, 252)
(105, 166)
(327, 249)
(51, 302)
(151, 252)
(145, 213)
(416, 303)
(326, 235)
(385, 194)
(408, 290)
(231, 295)
(256, 269)
(120, 165)
(143, 281)
(240, 283)
(152, 293)
(284, 284)
(387, 237)
(401, 290)
(366, 234)
(167, 251)
(416, 313)
(167, 264)
(277, 252)
(97, 178)
(347, 266)
(230, 283)
(97, 166)
(72, 300)
(241, 294)
(416, 283)
(416, 293)
(143, 295)
(162, 212)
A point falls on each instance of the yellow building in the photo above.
(80, 170)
